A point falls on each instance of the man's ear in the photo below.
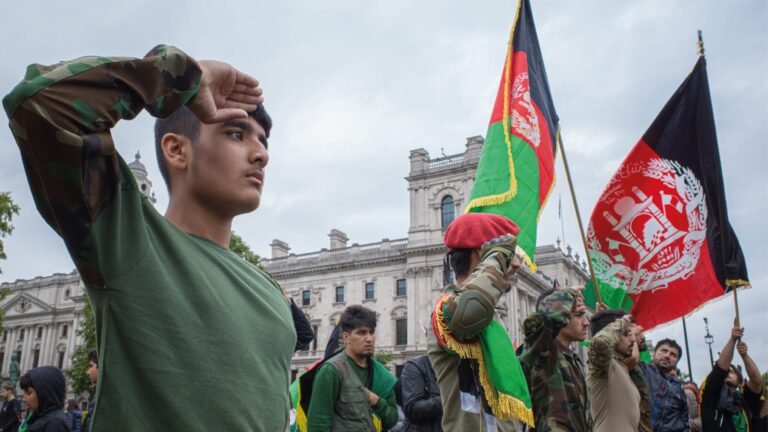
(176, 151)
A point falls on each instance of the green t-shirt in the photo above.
(190, 336)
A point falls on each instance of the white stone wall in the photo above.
(41, 308)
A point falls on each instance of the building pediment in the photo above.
(23, 304)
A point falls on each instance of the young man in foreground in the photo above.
(176, 311)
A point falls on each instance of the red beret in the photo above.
(471, 230)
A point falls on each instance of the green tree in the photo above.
(78, 373)
(240, 247)
(383, 357)
(7, 209)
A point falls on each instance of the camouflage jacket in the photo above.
(638, 378)
(555, 374)
(614, 398)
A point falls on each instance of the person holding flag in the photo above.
(481, 382)
(723, 407)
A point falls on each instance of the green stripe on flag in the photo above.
(493, 177)
(614, 298)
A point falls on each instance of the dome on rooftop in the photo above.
(136, 165)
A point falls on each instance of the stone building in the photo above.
(399, 278)
(402, 278)
(43, 315)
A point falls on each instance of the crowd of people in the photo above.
(179, 313)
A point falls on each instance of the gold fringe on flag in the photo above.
(504, 406)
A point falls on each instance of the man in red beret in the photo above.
(482, 257)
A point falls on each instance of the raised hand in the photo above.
(742, 348)
(225, 93)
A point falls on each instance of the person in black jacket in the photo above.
(9, 415)
(44, 390)
(723, 407)
(304, 332)
(421, 396)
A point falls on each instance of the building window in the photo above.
(400, 289)
(306, 296)
(35, 358)
(21, 335)
(5, 335)
(60, 360)
(401, 332)
(39, 332)
(2, 357)
(64, 330)
(399, 370)
(369, 294)
(447, 211)
(18, 356)
(339, 294)
(314, 341)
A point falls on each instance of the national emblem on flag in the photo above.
(515, 174)
(659, 238)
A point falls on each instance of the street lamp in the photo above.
(709, 340)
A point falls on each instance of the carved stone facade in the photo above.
(401, 279)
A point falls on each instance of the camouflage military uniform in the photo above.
(615, 400)
(638, 378)
(555, 374)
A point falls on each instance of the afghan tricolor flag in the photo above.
(517, 166)
(659, 239)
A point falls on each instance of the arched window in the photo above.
(447, 211)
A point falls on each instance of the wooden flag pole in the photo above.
(578, 218)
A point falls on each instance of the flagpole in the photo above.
(700, 52)
(687, 350)
(578, 218)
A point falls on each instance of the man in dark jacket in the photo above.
(669, 405)
(723, 407)
(9, 415)
(421, 396)
(44, 390)
(93, 375)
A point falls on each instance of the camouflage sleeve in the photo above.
(488, 282)
(602, 347)
(61, 117)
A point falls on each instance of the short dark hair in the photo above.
(603, 318)
(357, 316)
(737, 371)
(673, 344)
(9, 386)
(459, 259)
(183, 122)
(25, 382)
(93, 357)
(72, 405)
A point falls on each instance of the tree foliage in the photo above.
(78, 373)
(241, 248)
(7, 209)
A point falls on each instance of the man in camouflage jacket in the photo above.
(555, 373)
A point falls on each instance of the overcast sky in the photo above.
(354, 86)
